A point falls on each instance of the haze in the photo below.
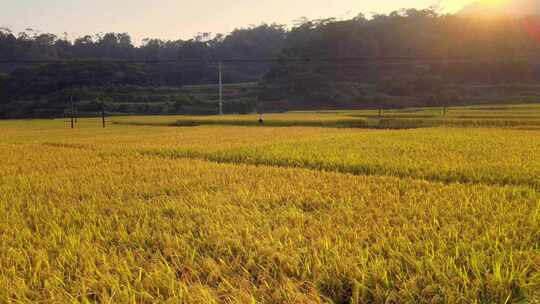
(174, 19)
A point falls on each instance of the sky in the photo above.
(182, 19)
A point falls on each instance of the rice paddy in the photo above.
(307, 210)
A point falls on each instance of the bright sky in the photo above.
(174, 19)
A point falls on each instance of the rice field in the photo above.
(505, 116)
(150, 210)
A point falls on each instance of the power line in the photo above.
(321, 60)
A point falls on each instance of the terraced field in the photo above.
(145, 211)
(504, 116)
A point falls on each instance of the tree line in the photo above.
(260, 41)
(449, 56)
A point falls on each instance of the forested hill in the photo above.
(264, 41)
(321, 62)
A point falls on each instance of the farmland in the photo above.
(311, 207)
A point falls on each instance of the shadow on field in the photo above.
(391, 124)
(241, 156)
(366, 123)
(446, 177)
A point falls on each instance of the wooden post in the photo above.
(220, 88)
(72, 112)
(380, 103)
(103, 113)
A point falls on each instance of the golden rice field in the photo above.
(145, 211)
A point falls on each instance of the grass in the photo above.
(500, 116)
(241, 214)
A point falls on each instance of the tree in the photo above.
(4, 94)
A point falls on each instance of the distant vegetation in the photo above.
(522, 116)
(462, 59)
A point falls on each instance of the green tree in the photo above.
(4, 94)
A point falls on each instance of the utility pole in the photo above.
(72, 112)
(103, 113)
(380, 104)
(76, 111)
(220, 66)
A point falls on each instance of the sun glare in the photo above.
(493, 2)
(457, 5)
(490, 2)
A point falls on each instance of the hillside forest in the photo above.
(402, 59)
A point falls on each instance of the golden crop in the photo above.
(232, 214)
